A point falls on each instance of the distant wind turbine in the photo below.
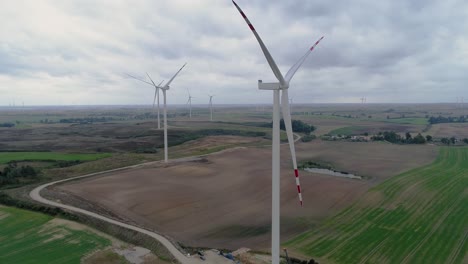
(211, 106)
(189, 102)
(164, 88)
(156, 94)
(283, 85)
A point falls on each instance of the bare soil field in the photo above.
(326, 123)
(104, 137)
(448, 130)
(375, 160)
(224, 200)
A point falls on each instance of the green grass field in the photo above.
(408, 120)
(9, 156)
(349, 130)
(27, 237)
(420, 216)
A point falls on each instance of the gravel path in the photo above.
(35, 195)
(210, 258)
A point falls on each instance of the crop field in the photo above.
(416, 217)
(408, 120)
(6, 157)
(28, 237)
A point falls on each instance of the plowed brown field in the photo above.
(224, 201)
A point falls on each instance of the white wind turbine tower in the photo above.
(283, 85)
(189, 102)
(156, 94)
(211, 106)
(164, 88)
(290, 104)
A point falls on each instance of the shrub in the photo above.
(308, 138)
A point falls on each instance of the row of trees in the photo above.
(86, 120)
(393, 137)
(7, 124)
(297, 126)
(450, 119)
(452, 140)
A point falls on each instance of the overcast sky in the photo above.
(77, 52)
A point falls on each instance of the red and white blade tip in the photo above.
(298, 185)
(316, 43)
(244, 16)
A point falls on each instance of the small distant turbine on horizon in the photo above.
(283, 86)
(211, 106)
(189, 102)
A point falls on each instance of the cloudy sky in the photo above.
(77, 52)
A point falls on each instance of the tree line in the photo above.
(7, 124)
(86, 120)
(450, 119)
(297, 126)
(452, 140)
(393, 137)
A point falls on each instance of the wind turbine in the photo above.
(189, 102)
(164, 88)
(283, 85)
(290, 104)
(156, 94)
(211, 107)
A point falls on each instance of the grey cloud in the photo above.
(389, 50)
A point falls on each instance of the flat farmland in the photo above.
(28, 237)
(376, 161)
(224, 200)
(6, 157)
(449, 130)
(419, 216)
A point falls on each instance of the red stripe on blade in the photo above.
(251, 27)
(296, 173)
(243, 15)
(299, 189)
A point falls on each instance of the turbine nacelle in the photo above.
(271, 86)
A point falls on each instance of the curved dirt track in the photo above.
(35, 195)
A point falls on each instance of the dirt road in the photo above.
(35, 195)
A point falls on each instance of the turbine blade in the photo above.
(299, 63)
(136, 78)
(289, 132)
(267, 54)
(151, 80)
(169, 82)
(155, 94)
(159, 85)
